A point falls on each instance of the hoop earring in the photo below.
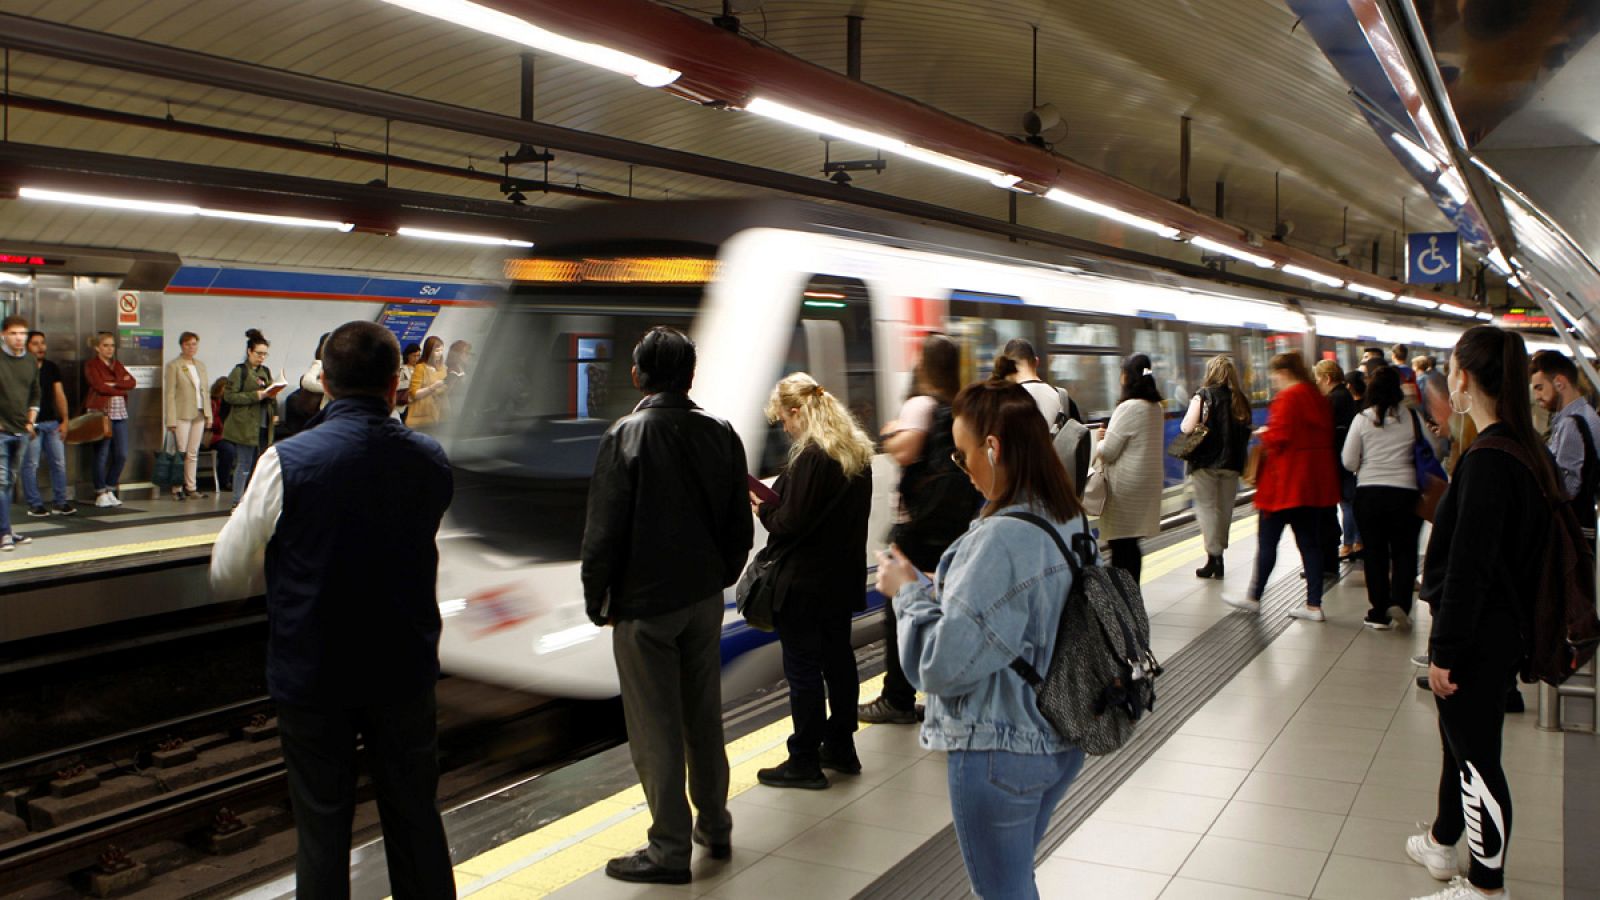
(1462, 409)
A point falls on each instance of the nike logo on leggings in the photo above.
(1486, 823)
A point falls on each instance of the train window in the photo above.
(1083, 334)
(1210, 342)
(1094, 381)
(1166, 363)
(1255, 365)
(981, 339)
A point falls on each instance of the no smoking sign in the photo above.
(128, 309)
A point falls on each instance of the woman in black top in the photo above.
(1214, 467)
(1482, 564)
(819, 525)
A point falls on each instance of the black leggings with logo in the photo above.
(1474, 797)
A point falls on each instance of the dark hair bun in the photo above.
(254, 335)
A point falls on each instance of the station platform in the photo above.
(1286, 759)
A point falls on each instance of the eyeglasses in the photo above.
(960, 459)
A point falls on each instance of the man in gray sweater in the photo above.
(19, 406)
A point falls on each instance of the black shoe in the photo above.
(38, 512)
(63, 509)
(843, 762)
(723, 850)
(794, 775)
(640, 868)
(1514, 702)
(1211, 569)
(1422, 682)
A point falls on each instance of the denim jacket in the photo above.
(1000, 591)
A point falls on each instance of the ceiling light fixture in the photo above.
(799, 118)
(1418, 302)
(101, 201)
(461, 238)
(1067, 198)
(1458, 310)
(1424, 159)
(1206, 243)
(504, 25)
(1313, 275)
(1380, 293)
(1486, 316)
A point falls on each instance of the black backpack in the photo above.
(1561, 629)
(1102, 672)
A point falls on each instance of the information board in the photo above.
(409, 322)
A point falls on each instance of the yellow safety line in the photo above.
(95, 554)
(551, 857)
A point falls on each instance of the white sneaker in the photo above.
(1421, 659)
(1242, 602)
(103, 499)
(1461, 889)
(115, 500)
(1309, 613)
(1438, 859)
(1400, 617)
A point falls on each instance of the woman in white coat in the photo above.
(187, 409)
(1130, 456)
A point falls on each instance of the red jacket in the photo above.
(1296, 467)
(105, 381)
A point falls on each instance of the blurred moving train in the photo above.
(769, 288)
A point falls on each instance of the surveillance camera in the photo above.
(1284, 229)
(1041, 119)
(1342, 251)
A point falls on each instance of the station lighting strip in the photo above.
(460, 237)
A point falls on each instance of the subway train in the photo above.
(766, 289)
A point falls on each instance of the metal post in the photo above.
(527, 87)
(1221, 191)
(1549, 708)
(1183, 162)
(852, 54)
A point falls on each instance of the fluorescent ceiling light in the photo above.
(1219, 247)
(1380, 293)
(461, 238)
(1458, 310)
(1415, 151)
(1418, 302)
(273, 220)
(1313, 275)
(811, 122)
(504, 25)
(101, 201)
(1486, 316)
(1068, 198)
(11, 278)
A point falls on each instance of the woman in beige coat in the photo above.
(1130, 455)
(187, 406)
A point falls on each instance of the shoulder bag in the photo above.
(1184, 445)
(757, 592)
(169, 464)
(1431, 480)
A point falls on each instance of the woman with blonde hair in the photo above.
(819, 527)
(1214, 467)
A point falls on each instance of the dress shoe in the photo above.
(723, 850)
(794, 775)
(845, 762)
(638, 867)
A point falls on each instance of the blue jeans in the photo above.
(109, 457)
(55, 453)
(1307, 524)
(244, 463)
(1002, 803)
(13, 447)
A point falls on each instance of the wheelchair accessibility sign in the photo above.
(1433, 258)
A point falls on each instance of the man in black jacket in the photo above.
(668, 528)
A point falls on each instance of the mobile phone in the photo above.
(768, 496)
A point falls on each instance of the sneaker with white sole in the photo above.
(102, 499)
(1309, 613)
(1438, 859)
(20, 539)
(1421, 659)
(1247, 604)
(7, 544)
(115, 500)
(1461, 889)
(1377, 626)
(1400, 617)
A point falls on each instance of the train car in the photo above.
(765, 289)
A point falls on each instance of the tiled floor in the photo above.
(1301, 778)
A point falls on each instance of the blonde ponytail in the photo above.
(824, 421)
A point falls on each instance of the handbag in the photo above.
(756, 596)
(1431, 480)
(169, 464)
(1097, 492)
(1184, 445)
(92, 426)
(1252, 465)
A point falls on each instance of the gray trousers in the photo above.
(1214, 493)
(671, 672)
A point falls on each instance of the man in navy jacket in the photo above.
(341, 518)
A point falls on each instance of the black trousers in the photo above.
(824, 685)
(1307, 523)
(1126, 555)
(1473, 794)
(319, 749)
(1389, 526)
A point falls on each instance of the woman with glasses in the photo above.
(252, 399)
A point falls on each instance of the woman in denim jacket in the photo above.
(997, 595)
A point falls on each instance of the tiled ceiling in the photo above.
(1263, 99)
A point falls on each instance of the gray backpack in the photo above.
(1102, 673)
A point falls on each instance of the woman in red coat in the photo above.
(1296, 482)
(109, 383)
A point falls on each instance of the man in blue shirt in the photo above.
(1574, 428)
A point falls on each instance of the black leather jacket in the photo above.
(669, 520)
